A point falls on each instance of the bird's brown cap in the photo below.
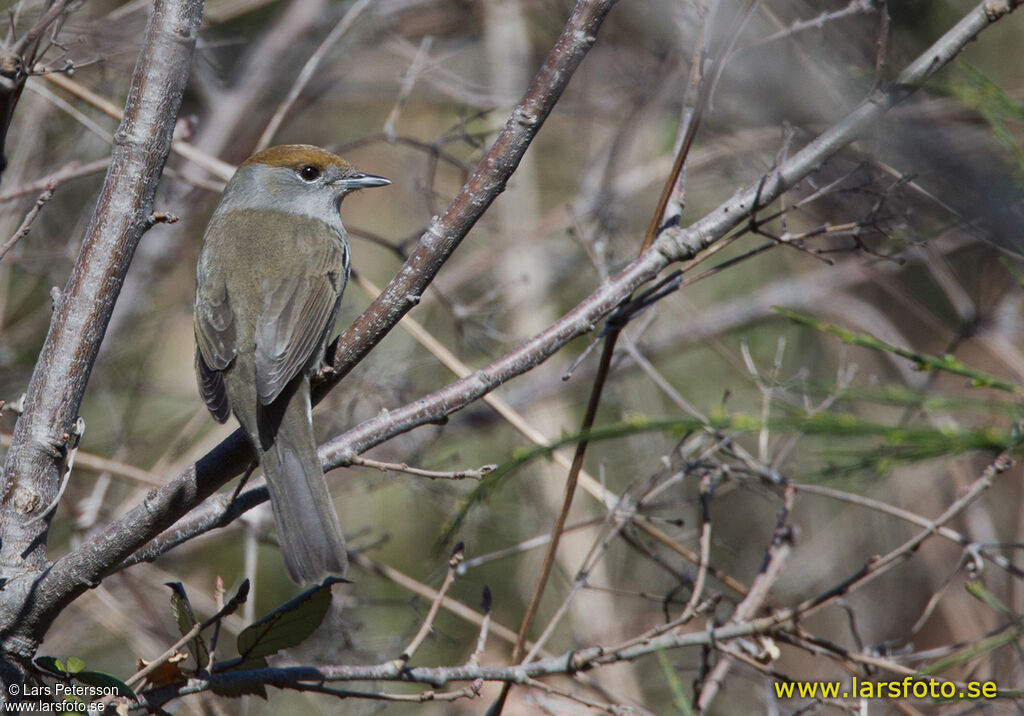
(295, 156)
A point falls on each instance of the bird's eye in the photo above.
(309, 173)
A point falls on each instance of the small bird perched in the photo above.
(271, 272)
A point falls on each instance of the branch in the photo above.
(33, 466)
(572, 662)
(782, 623)
(26, 224)
(17, 61)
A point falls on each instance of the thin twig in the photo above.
(779, 550)
(597, 550)
(99, 464)
(485, 625)
(71, 170)
(449, 578)
(240, 597)
(525, 545)
(477, 474)
(26, 45)
(854, 7)
(408, 82)
(406, 582)
(881, 565)
(907, 516)
(705, 551)
(213, 165)
(570, 490)
(308, 70)
(26, 223)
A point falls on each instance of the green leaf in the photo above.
(103, 680)
(289, 624)
(75, 665)
(186, 618)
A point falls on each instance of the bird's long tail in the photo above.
(307, 525)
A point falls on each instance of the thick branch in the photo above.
(32, 469)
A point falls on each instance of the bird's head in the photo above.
(298, 179)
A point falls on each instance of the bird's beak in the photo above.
(363, 181)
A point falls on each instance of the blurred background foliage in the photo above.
(933, 266)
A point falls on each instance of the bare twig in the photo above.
(597, 550)
(116, 468)
(225, 610)
(485, 625)
(570, 490)
(878, 566)
(778, 552)
(477, 474)
(445, 233)
(72, 170)
(782, 623)
(408, 82)
(705, 551)
(457, 608)
(26, 223)
(428, 623)
(854, 7)
(213, 165)
(907, 516)
(308, 70)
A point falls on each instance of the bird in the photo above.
(271, 272)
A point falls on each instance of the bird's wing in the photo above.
(297, 312)
(214, 324)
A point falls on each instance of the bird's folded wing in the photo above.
(295, 317)
(214, 325)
